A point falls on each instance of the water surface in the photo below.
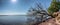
(13, 19)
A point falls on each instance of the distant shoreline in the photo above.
(13, 15)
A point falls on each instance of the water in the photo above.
(17, 19)
(11, 20)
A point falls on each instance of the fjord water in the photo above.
(13, 19)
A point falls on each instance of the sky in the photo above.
(20, 7)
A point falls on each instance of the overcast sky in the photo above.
(11, 7)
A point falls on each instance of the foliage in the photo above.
(54, 7)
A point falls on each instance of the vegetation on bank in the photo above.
(42, 15)
(54, 7)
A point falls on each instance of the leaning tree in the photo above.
(39, 13)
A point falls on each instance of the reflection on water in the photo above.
(13, 20)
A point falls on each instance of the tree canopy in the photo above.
(54, 7)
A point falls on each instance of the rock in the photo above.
(49, 22)
(58, 19)
(53, 21)
(55, 14)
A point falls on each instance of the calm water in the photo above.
(4, 20)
